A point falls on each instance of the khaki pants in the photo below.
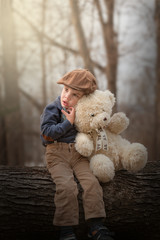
(62, 160)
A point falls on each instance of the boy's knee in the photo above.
(94, 183)
(90, 183)
(68, 188)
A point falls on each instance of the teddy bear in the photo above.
(99, 137)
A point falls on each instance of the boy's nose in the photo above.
(68, 96)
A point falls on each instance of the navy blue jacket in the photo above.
(54, 127)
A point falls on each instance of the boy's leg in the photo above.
(67, 211)
(92, 201)
(92, 191)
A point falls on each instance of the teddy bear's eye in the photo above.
(92, 115)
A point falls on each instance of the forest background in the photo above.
(41, 40)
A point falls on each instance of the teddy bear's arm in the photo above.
(118, 123)
(84, 144)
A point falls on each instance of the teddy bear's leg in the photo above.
(102, 167)
(134, 157)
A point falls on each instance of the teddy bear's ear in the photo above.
(111, 97)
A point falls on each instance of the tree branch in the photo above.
(31, 99)
(55, 43)
(84, 51)
(43, 35)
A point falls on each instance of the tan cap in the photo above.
(79, 79)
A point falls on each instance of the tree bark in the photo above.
(27, 204)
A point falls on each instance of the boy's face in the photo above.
(70, 97)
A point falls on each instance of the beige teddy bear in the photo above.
(99, 137)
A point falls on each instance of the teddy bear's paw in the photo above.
(135, 157)
(118, 123)
(102, 167)
(84, 145)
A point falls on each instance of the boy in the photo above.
(63, 161)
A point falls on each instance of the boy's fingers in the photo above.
(64, 112)
(70, 114)
(69, 111)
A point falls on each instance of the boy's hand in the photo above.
(70, 114)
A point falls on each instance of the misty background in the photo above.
(41, 40)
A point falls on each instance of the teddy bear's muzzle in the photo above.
(100, 121)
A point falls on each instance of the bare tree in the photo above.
(157, 97)
(136, 79)
(43, 54)
(80, 35)
(110, 43)
(109, 38)
(12, 142)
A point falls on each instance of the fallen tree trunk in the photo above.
(27, 204)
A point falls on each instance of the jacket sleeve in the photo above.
(51, 127)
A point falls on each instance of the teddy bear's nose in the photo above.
(105, 119)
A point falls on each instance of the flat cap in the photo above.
(79, 79)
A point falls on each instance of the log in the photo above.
(27, 207)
